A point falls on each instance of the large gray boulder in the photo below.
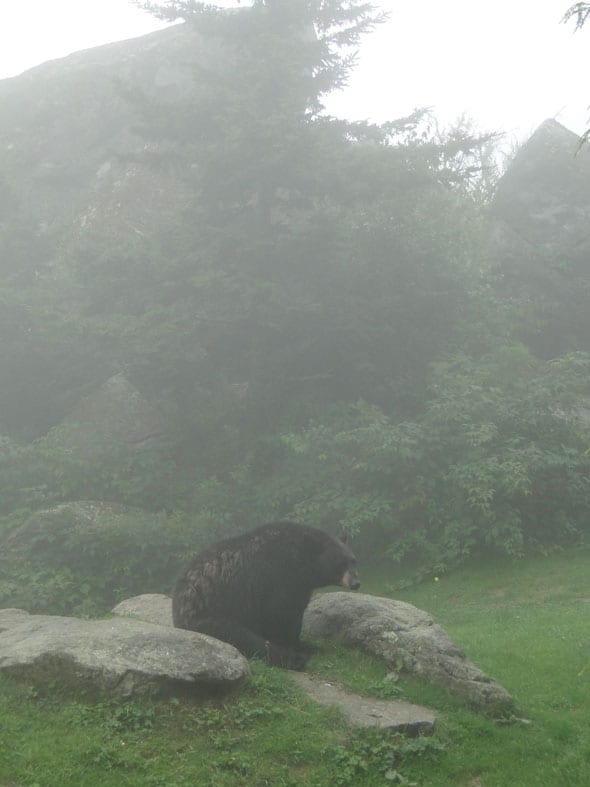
(117, 658)
(398, 631)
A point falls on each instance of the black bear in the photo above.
(252, 590)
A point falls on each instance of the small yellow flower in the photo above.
(436, 579)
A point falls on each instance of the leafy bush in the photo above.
(378, 754)
(62, 562)
(42, 474)
(499, 460)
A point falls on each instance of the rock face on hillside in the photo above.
(72, 158)
(544, 197)
(67, 124)
(539, 240)
(119, 658)
(115, 416)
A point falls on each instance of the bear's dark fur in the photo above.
(252, 590)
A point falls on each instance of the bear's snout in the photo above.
(350, 580)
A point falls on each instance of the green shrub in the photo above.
(60, 563)
(499, 461)
(49, 471)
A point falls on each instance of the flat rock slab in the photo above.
(118, 658)
(394, 715)
(398, 631)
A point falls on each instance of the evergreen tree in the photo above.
(314, 37)
(314, 261)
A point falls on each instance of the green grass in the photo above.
(527, 624)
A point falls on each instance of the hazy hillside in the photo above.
(69, 143)
(354, 325)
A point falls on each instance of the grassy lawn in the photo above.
(527, 624)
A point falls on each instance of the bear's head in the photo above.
(337, 566)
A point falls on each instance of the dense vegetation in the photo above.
(321, 320)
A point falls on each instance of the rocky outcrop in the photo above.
(69, 128)
(400, 632)
(393, 715)
(117, 658)
(140, 651)
(393, 630)
(539, 241)
(543, 200)
(115, 416)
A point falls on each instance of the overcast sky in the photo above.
(507, 64)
